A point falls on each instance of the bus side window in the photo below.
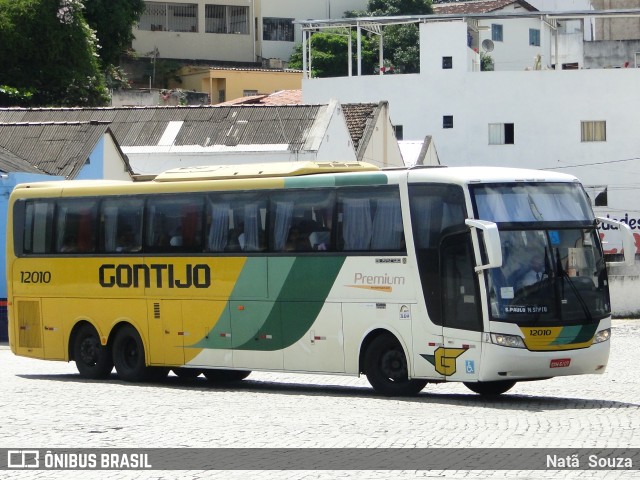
(121, 225)
(236, 222)
(370, 220)
(174, 224)
(38, 226)
(76, 224)
(301, 221)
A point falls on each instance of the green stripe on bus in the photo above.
(336, 181)
(575, 334)
(298, 303)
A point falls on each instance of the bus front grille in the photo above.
(29, 324)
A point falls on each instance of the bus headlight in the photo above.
(602, 336)
(513, 341)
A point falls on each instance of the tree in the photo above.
(113, 21)
(329, 52)
(401, 42)
(48, 55)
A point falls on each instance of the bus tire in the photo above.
(128, 357)
(93, 360)
(490, 388)
(386, 368)
(214, 375)
(186, 373)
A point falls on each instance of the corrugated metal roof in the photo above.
(203, 125)
(10, 162)
(53, 148)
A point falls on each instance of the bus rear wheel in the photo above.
(386, 368)
(490, 388)
(93, 360)
(214, 375)
(129, 358)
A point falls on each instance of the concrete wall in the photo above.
(616, 28)
(239, 47)
(233, 47)
(612, 54)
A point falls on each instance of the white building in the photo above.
(575, 121)
(229, 30)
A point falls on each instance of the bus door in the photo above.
(190, 332)
(461, 312)
(166, 336)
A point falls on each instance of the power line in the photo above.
(608, 162)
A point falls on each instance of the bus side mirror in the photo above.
(492, 246)
(628, 242)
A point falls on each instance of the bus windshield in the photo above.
(553, 270)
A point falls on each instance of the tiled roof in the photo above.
(359, 116)
(283, 97)
(54, 148)
(481, 6)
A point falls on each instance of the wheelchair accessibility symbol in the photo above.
(469, 366)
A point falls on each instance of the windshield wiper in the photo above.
(561, 272)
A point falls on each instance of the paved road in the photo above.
(47, 405)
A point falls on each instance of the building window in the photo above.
(277, 29)
(594, 131)
(447, 63)
(496, 32)
(399, 132)
(447, 121)
(249, 93)
(222, 96)
(534, 37)
(501, 134)
(173, 17)
(226, 19)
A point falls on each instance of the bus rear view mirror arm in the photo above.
(628, 241)
(491, 238)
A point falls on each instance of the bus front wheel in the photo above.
(128, 357)
(93, 360)
(386, 368)
(490, 388)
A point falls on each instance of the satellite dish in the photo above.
(487, 45)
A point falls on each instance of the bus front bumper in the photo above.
(505, 363)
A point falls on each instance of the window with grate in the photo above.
(175, 17)
(226, 19)
(277, 29)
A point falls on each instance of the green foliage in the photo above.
(329, 52)
(486, 62)
(401, 42)
(15, 97)
(388, 8)
(49, 51)
(113, 21)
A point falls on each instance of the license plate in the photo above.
(560, 363)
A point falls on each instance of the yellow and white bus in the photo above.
(486, 276)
